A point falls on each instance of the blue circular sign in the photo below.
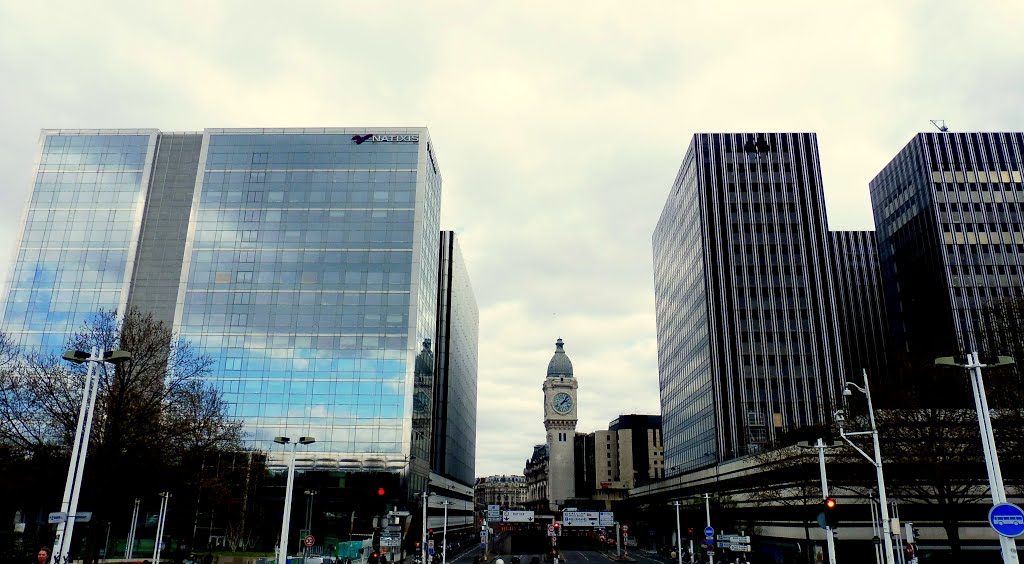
(709, 531)
(1007, 519)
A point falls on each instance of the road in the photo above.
(569, 557)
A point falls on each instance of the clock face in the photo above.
(562, 402)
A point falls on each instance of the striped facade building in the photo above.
(748, 344)
(861, 306)
(948, 209)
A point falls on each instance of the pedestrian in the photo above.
(43, 556)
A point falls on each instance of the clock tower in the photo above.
(560, 422)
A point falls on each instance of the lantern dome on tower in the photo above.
(560, 365)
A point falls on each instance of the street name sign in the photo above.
(517, 516)
(1007, 519)
(57, 517)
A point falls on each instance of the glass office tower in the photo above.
(748, 348)
(304, 262)
(951, 239)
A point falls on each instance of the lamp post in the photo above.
(161, 520)
(423, 545)
(444, 533)
(73, 484)
(282, 552)
(876, 460)
(974, 365)
(679, 534)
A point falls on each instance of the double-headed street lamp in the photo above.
(973, 364)
(73, 484)
(876, 460)
(282, 553)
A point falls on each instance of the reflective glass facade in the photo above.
(948, 210)
(454, 426)
(80, 230)
(305, 262)
(748, 347)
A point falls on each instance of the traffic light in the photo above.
(380, 492)
(830, 512)
(430, 532)
(558, 528)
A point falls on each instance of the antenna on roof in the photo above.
(940, 124)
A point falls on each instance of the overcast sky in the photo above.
(558, 127)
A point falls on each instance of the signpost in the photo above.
(1007, 519)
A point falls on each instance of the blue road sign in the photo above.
(709, 531)
(1007, 519)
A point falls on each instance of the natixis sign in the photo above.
(386, 138)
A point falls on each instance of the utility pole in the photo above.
(423, 545)
(130, 544)
(158, 545)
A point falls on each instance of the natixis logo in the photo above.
(386, 138)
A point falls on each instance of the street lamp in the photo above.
(282, 553)
(444, 533)
(974, 365)
(73, 484)
(883, 502)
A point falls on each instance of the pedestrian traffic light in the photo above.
(830, 512)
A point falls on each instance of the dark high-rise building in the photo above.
(951, 239)
(458, 324)
(748, 346)
(860, 305)
(307, 263)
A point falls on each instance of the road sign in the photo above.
(390, 539)
(625, 529)
(581, 518)
(517, 516)
(83, 516)
(309, 540)
(1007, 519)
(709, 532)
(606, 519)
(735, 538)
(738, 547)
(551, 530)
(57, 517)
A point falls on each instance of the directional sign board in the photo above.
(391, 539)
(493, 512)
(606, 519)
(517, 516)
(709, 532)
(581, 518)
(1007, 519)
(738, 547)
(83, 516)
(57, 517)
(735, 538)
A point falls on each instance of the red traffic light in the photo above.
(380, 491)
(430, 531)
(830, 503)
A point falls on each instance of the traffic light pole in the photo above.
(829, 536)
